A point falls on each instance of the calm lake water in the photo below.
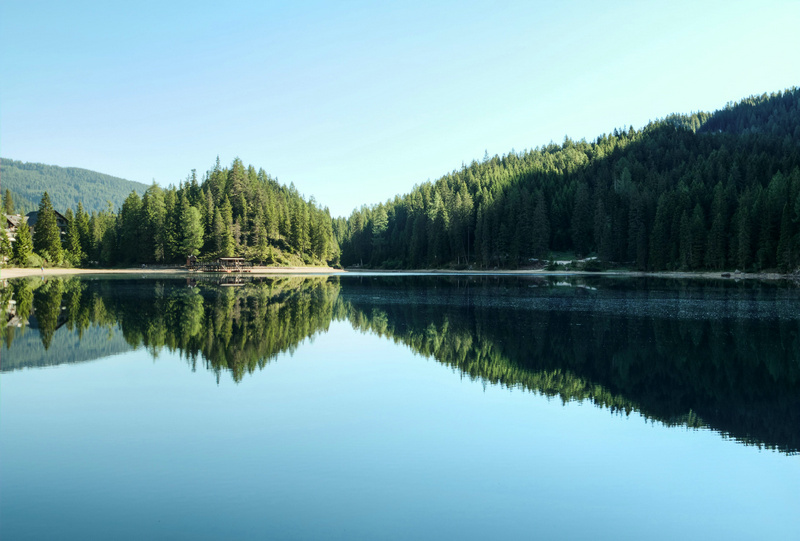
(400, 407)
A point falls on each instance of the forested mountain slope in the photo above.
(700, 191)
(67, 186)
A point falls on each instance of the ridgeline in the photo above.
(706, 191)
(67, 186)
(698, 192)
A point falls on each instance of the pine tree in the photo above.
(23, 246)
(6, 251)
(380, 224)
(698, 238)
(154, 212)
(659, 237)
(84, 231)
(73, 240)
(47, 236)
(717, 237)
(130, 230)
(8, 202)
(582, 221)
(743, 238)
(192, 230)
(223, 229)
(784, 255)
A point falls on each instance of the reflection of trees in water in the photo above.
(739, 374)
(236, 329)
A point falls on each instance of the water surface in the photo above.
(399, 407)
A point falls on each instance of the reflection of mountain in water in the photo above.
(66, 347)
(716, 355)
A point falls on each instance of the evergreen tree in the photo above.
(5, 244)
(130, 231)
(192, 239)
(23, 246)
(582, 221)
(380, 224)
(72, 241)
(717, 237)
(784, 255)
(84, 231)
(8, 202)
(541, 228)
(47, 236)
(154, 216)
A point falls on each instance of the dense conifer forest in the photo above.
(235, 211)
(67, 186)
(706, 191)
(688, 192)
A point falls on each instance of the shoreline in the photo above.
(718, 275)
(11, 273)
(14, 272)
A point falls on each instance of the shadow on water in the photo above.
(717, 355)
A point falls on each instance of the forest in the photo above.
(67, 186)
(705, 191)
(233, 211)
(688, 192)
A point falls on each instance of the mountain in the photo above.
(66, 186)
(706, 191)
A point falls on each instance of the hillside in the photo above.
(702, 191)
(66, 186)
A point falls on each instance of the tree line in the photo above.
(688, 192)
(233, 211)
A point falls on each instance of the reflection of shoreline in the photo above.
(711, 355)
(612, 273)
(147, 271)
(266, 271)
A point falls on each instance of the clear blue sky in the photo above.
(357, 102)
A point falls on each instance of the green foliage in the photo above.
(8, 202)
(67, 186)
(232, 212)
(192, 239)
(47, 235)
(705, 191)
(72, 243)
(23, 246)
(5, 244)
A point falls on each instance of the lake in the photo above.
(368, 406)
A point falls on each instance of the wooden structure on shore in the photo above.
(223, 264)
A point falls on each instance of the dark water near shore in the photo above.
(397, 407)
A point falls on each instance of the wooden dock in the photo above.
(222, 265)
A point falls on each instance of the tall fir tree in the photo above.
(46, 234)
(8, 202)
(23, 245)
(72, 241)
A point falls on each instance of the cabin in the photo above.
(61, 222)
(12, 225)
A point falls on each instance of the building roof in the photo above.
(34, 216)
(13, 220)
